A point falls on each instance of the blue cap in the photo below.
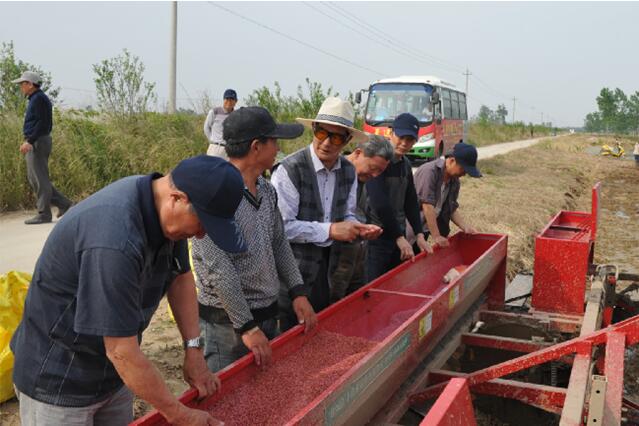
(405, 124)
(230, 94)
(214, 187)
(466, 156)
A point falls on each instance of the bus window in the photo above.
(448, 111)
(455, 105)
(462, 106)
(387, 100)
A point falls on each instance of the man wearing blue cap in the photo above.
(213, 124)
(100, 277)
(392, 201)
(437, 184)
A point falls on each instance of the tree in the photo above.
(287, 108)
(485, 115)
(593, 122)
(120, 85)
(501, 114)
(11, 99)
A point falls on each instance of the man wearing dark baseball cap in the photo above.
(214, 121)
(438, 186)
(100, 277)
(238, 296)
(392, 201)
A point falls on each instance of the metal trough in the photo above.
(428, 308)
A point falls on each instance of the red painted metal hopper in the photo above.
(413, 292)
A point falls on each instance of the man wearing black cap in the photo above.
(392, 201)
(437, 184)
(213, 124)
(100, 277)
(238, 294)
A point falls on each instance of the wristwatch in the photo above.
(196, 342)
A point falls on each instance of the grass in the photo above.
(91, 150)
(522, 190)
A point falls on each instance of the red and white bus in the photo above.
(438, 105)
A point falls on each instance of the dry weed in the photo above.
(520, 192)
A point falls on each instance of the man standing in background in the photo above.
(36, 147)
(213, 124)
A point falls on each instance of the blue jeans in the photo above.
(223, 346)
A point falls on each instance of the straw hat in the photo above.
(338, 113)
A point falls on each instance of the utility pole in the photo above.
(173, 58)
(542, 118)
(467, 74)
(514, 100)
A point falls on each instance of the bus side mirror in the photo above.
(358, 97)
(434, 99)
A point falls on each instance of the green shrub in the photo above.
(90, 151)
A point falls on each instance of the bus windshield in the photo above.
(387, 100)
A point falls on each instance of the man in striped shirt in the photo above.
(238, 292)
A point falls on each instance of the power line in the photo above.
(381, 40)
(303, 43)
(390, 39)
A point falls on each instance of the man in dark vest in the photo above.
(317, 193)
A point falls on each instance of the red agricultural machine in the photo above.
(549, 349)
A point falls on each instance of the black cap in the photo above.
(405, 124)
(248, 123)
(214, 188)
(466, 156)
(230, 94)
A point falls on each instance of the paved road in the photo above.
(21, 244)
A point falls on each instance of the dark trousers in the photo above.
(347, 268)
(38, 175)
(383, 255)
(319, 294)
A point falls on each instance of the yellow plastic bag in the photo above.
(13, 292)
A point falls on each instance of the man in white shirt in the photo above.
(213, 124)
(317, 196)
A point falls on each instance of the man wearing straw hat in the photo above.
(317, 192)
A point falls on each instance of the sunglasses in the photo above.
(334, 138)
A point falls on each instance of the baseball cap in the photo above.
(214, 187)
(248, 123)
(466, 156)
(230, 94)
(405, 124)
(29, 76)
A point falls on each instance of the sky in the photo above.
(553, 58)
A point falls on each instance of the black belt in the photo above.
(217, 143)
